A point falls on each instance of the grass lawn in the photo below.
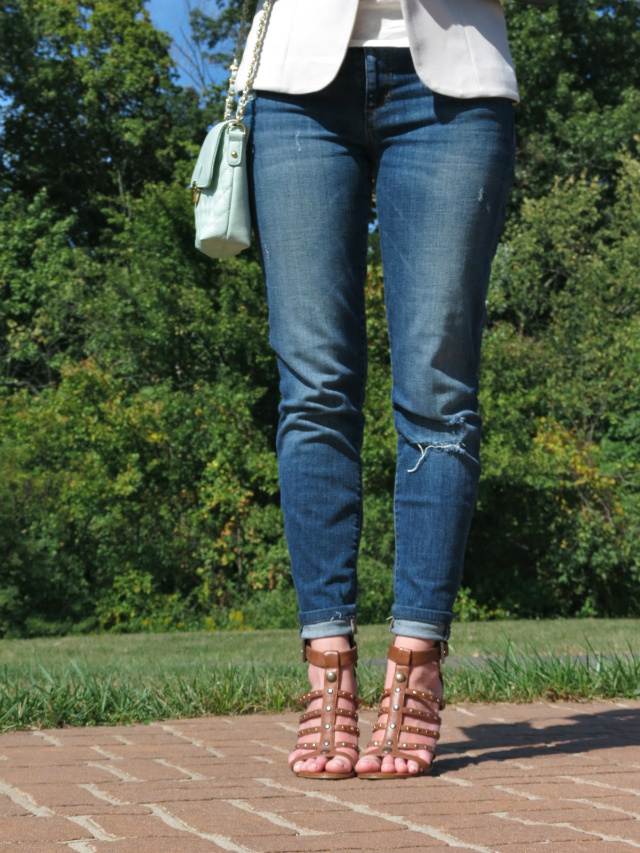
(109, 679)
(184, 651)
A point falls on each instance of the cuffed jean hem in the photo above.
(419, 630)
(425, 624)
(327, 623)
(337, 628)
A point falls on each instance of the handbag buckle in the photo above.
(237, 123)
(195, 192)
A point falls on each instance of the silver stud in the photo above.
(327, 725)
(326, 743)
(330, 690)
(397, 690)
(396, 707)
(328, 708)
(390, 742)
(392, 726)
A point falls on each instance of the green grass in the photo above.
(184, 651)
(109, 679)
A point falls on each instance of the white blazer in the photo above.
(459, 47)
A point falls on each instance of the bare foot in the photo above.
(425, 677)
(320, 763)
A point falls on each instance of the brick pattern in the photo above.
(510, 779)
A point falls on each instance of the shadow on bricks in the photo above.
(573, 732)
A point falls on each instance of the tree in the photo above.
(578, 65)
(92, 110)
(138, 395)
(560, 498)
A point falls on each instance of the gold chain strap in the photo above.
(255, 60)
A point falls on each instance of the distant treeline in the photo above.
(138, 395)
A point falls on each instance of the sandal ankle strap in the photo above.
(409, 657)
(331, 660)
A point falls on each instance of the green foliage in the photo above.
(578, 64)
(91, 110)
(138, 395)
(559, 381)
(165, 489)
(467, 609)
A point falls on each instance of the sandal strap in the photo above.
(425, 695)
(314, 694)
(330, 660)
(421, 712)
(395, 752)
(418, 746)
(322, 737)
(394, 727)
(354, 730)
(416, 730)
(403, 745)
(437, 653)
(340, 712)
(315, 745)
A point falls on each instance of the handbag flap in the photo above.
(203, 172)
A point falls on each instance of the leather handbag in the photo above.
(219, 184)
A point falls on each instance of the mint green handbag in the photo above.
(221, 193)
(219, 182)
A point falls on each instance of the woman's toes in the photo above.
(309, 765)
(388, 764)
(339, 765)
(315, 765)
(401, 765)
(368, 764)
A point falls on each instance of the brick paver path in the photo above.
(510, 778)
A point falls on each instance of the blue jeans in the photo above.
(441, 169)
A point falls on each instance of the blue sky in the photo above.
(173, 17)
(169, 15)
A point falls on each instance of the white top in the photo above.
(459, 47)
(379, 23)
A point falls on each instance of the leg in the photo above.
(311, 193)
(443, 177)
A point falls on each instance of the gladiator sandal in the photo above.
(321, 737)
(397, 732)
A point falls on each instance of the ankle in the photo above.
(416, 644)
(341, 643)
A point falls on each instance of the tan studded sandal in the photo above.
(321, 737)
(397, 733)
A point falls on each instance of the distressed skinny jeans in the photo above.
(441, 169)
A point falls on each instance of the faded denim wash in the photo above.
(441, 169)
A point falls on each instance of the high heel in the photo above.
(324, 734)
(395, 740)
